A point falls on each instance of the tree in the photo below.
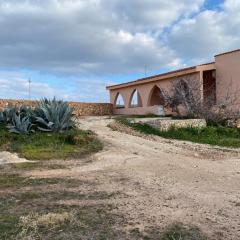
(186, 94)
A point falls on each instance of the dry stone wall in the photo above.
(165, 124)
(80, 109)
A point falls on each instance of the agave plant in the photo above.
(2, 117)
(53, 115)
(7, 114)
(25, 110)
(20, 125)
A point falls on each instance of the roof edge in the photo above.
(229, 52)
(153, 76)
(181, 71)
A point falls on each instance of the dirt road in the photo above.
(164, 181)
(171, 183)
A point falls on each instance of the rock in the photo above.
(231, 123)
(165, 124)
(7, 157)
(238, 123)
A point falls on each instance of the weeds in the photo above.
(33, 224)
(178, 231)
(220, 136)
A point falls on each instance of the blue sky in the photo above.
(213, 4)
(74, 49)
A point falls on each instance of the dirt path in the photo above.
(166, 181)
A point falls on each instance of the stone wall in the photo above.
(92, 109)
(80, 109)
(165, 124)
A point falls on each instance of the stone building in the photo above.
(145, 96)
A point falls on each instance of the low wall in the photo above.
(80, 109)
(92, 109)
(165, 124)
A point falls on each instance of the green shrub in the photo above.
(20, 125)
(54, 116)
(7, 114)
(49, 115)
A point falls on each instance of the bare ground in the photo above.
(162, 181)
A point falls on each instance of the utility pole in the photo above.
(29, 88)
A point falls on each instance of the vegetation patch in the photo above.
(38, 165)
(49, 145)
(178, 231)
(220, 136)
(175, 231)
(34, 212)
(47, 131)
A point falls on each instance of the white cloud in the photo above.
(208, 33)
(90, 40)
(88, 36)
(151, 14)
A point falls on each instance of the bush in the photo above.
(54, 116)
(184, 98)
(20, 124)
(49, 115)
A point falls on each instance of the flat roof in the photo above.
(161, 76)
(166, 75)
(233, 51)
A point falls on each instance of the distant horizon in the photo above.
(74, 49)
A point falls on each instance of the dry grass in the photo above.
(31, 224)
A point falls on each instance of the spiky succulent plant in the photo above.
(20, 125)
(53, 115)
(2, 117)
(7, 114)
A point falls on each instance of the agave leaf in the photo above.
(44, 129)
(20, 125)
(13, 130)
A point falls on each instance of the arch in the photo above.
(156, 97)
(119, 101)
(135, 99)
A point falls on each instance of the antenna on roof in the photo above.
(29, 88)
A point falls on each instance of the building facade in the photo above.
(144, 96)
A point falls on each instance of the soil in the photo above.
(163, 181)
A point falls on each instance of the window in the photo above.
(135, 100)
(119, 102)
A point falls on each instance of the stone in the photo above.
(238, 123)
(80, 109)
(166, 124)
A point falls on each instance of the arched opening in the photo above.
(156, 97)
(119, 102)
(135, 100)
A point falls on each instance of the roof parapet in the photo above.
(229, 52)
